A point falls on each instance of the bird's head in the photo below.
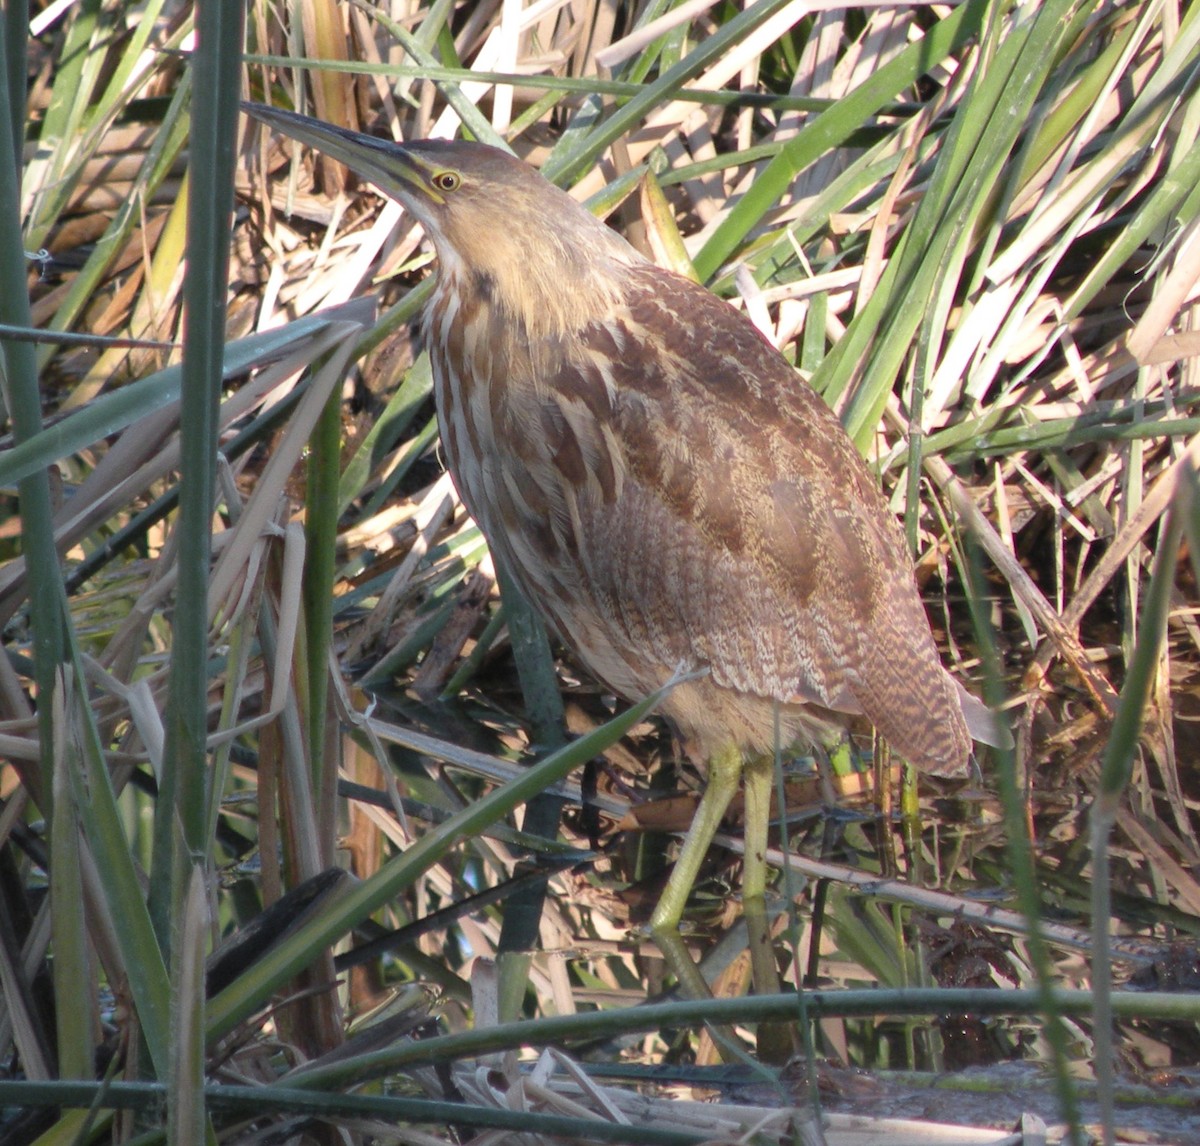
(490, 217)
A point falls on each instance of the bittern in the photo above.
(661, 484)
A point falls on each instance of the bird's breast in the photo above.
(525, 435)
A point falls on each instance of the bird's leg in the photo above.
(775, 1041)
(758, 775)
(725, 769)
(724, 773)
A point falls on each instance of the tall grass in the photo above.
(970, 228)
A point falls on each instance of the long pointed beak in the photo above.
(392, 169)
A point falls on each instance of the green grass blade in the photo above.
(1115, 771)
(320, 534)
(74, 985)
(563, 166)
(1019, 850)
(167, 145)
(115, 411)
(22, 398)
(96, 804)
(833, 127)
(181, 857)
(935, 246)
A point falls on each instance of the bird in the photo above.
(661, 485)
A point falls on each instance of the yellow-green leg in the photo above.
(757, 775)
(775, 1041)
(724, 774)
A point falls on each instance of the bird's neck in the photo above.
(549, 298)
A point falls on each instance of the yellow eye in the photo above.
(447, 180)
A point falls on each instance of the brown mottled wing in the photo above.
(743, 531)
